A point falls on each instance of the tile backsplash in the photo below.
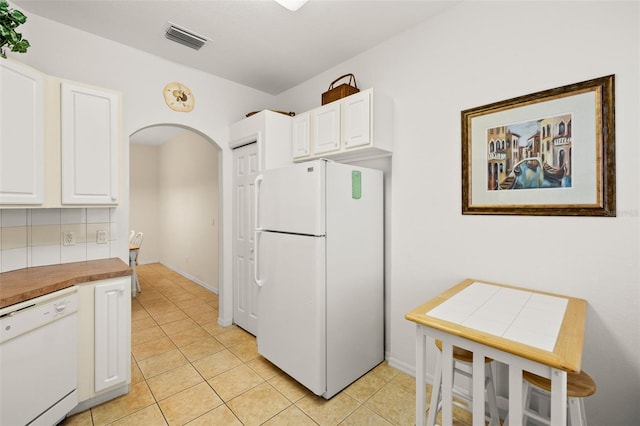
(37, 237)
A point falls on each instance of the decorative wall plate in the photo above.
(178, 97)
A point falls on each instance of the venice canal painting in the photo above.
(534, 154)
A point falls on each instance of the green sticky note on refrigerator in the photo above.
(356, 184)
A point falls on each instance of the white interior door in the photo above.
(245, 290)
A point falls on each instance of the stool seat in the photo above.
(579, 385)
(461, 354)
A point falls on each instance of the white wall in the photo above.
(65, 52)
(471, 55)
(189, 208)
(144, 199)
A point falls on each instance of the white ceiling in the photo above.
(257, 43)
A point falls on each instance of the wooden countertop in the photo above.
(566, 355)
(24, 284)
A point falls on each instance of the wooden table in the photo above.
(526, 329)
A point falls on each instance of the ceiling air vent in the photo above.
(185, 37)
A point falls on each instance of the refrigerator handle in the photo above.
(256, 198)
(255, 258)
(257, 230)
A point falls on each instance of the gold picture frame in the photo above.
(550, 153)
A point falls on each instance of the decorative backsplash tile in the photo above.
(38, 237)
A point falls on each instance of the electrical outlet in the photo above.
(68, 238)
(101, 236)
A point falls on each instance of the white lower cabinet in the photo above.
(104, 341)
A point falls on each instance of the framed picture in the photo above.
(549, 153)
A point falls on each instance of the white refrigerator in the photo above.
(319, 268)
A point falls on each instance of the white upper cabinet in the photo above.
(351, 128)
(59, 141)
(326, 128)
(301, 130)
(21, 134)
(356, 110)
(90, 139)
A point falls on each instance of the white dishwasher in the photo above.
(38, 353)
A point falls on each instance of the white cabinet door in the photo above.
(245, 290)
(356, 120)
(326, 128)
(301, 135)
(21, 134)
(90, 139)
(112, 339)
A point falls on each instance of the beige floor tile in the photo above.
(139, 314)
(146, 335)
(81, 419)
(363, 388)
(149, 416)
(364, 416)
(218, 416)
(189, 404)
(263, 367)
(213, 328)
(201, 348)
(136, 374)
(152, 348)
(394, 404)
(291, 389)
(406, 382)
(175, 327)
(384, 371)
(148, 295)
(234, 337)
(199, 308)
(188, 300)
(170, 316)
(142, 323)
(258, 405)
(292, 416)
(166, 384)
(139, 397)
(328, 412)
(235, 381)
(212, 365)
(205, 317)
(189, 336)
(245, 351)
(161, 363)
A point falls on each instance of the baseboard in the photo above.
(189, 276)
(99, 399)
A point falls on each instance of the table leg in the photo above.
(421, 366)
(478, 389)
(447, 383)
(515, 395)
(558, 397)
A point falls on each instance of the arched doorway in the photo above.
(175, 199)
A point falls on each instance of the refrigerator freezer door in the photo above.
(291, 199)
(291, 330)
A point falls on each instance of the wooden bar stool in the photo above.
(464, 357)
(579, 386)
